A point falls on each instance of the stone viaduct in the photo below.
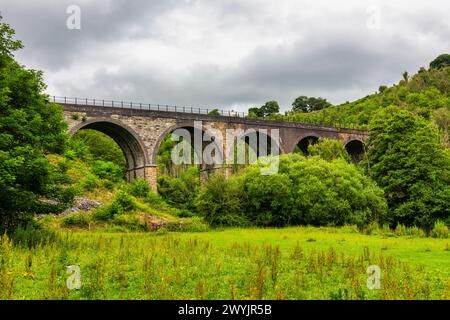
(139, 130)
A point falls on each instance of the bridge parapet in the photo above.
(139, 131)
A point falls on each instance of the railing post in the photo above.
(158, 106)
(140, 106)
(167, 107)
(65, 99)
(86, 101)
(121, 103)
(76, 100)
(103, 102)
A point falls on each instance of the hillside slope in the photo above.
(426, 93)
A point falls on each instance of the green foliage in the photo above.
(423, 93)
(412, 166)
(77, 149)
(8, 44)
(107, 170)
(309, 104)
(440, 230)
(81, 219)
(121, 203)
(268, 109)
(441, 61)
(99, 147)
(30, 127)
(138, 188)
(33, 234)
(332, 193)
(222, 202)
(214, 112)
(269, 198)
(180, 191)
(225, 264)
(304, 191)
(164, 157)
(329, 149)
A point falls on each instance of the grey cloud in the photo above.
(334, 57)
(42, 26)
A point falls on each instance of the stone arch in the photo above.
(188, 125)
(356, 149)
(266, 138)
(306, 141)
(133, 148)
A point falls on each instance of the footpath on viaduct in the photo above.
(139, 129)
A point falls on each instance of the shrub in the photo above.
(332, 193)
(182, 190)
(138, 188)
(80, 219)
(269, 198)
(222, 202)
(440, 230)
(304, 191)
(107, 170)
(122, 203)
(329, 149)
(89, 183)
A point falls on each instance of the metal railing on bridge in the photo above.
(145, 106)
(184, 109)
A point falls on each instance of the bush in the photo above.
(89, 183)
(440, 230)
(307, 191)
(329, 149)
(122, 203)
(269, 198)
(182, 190)
(138, 188)
(81, 219)
(222, 202)
(107, 170)
(332, 193)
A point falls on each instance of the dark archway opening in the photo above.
(356, 150)
(132, 149)
(304, 143)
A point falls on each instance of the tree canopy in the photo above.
(30, 127)
(408, 160)
(268, 109)
(309, 104)
(441, 61)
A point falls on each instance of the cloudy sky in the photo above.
(231, 54)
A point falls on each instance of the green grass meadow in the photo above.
(288, 263)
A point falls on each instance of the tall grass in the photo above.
(151, 266)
